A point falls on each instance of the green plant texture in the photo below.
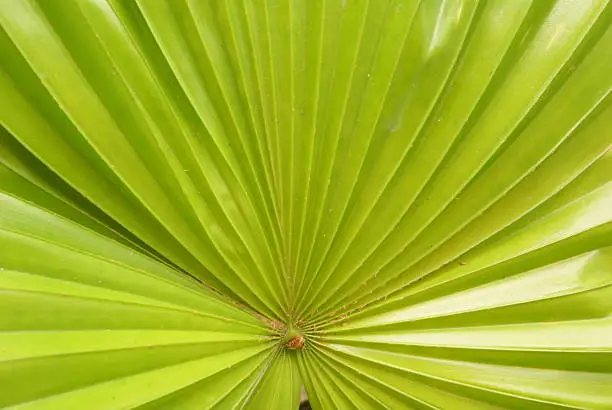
(396, 204)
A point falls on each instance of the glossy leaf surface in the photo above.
(393, 203)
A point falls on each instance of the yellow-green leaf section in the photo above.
(394, 204)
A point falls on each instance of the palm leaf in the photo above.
(395, 204)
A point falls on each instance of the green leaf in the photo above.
(390, 203)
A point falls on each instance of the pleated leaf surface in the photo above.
(394, 204)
